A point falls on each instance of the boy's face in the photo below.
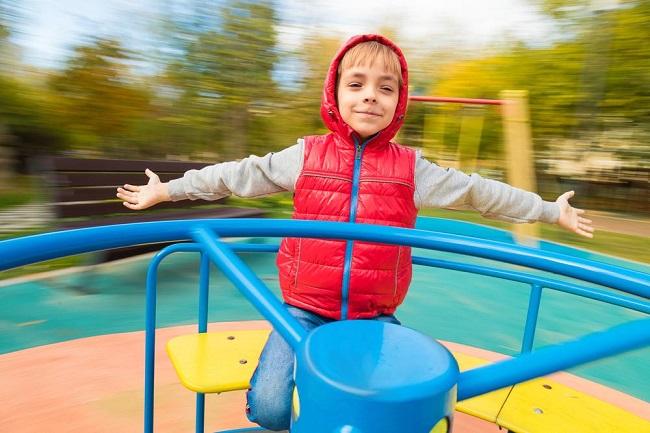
(367, 98)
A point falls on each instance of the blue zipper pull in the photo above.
(357, 146)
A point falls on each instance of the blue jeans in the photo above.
(269, 398)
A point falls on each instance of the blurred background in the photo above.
(214, 80)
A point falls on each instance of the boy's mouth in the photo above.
(369, 113)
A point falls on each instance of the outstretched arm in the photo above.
(448, 188)
(571, 219)
(144, 196)
(250, 177)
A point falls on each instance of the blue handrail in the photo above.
(251, 286)
(30, 249)
(207, 233)
(546, 360)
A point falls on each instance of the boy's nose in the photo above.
(369, 99)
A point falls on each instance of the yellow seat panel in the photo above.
(542, 405)
(486, 406)
(216, 361)
(224, 361)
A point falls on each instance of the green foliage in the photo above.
(21, 190)
(99, 99)
(209, 92)
(223, 79)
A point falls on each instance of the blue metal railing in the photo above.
(17, 252)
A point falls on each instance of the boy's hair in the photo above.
(367, 53)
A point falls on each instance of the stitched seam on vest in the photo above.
(399, 255)
(360, 220)
(377, 180)
(295, 277)
(380, 180)
(325, 176)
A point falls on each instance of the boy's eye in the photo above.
(386, 88)
(354, 84)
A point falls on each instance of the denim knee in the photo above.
(269, 399)
(271, 410)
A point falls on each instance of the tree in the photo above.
(224, 77)
(100, 100)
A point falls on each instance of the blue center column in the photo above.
(365, 376)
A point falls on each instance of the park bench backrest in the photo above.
(87, 187)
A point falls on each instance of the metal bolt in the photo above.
(538, 411)
(547, 386)
(231, 337)
(242, 361)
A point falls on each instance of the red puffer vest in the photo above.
(340, 279)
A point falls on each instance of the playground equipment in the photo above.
(380, 377)
(517, 138)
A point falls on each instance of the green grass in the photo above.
(20, 190)
(275, 206)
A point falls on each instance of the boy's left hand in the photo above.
(570, 218)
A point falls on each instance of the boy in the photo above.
(357, 174)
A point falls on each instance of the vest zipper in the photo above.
(354, 199)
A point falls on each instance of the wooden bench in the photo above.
(82, 194)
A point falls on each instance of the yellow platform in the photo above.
(486, 406)
(216, 361)
(224, 361)
(543, 405)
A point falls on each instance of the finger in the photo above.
(131, 205)
(567, 195)
(584, 220)
(128, 198)
(579, 211)
(133, 188)
(586, 228)
(125, 192)
(150, 174)
(584, 233)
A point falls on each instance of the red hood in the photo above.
(329, 110)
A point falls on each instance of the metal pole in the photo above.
(619, 339)
(251, 286)
(519, 154)
(531, 318)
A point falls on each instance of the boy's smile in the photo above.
(367, 97)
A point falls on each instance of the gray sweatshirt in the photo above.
(434, 186)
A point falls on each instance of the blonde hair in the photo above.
(367, 53)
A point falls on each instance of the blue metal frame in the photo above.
(529, 364)
(31, 249)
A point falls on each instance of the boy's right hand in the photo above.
(144, 196)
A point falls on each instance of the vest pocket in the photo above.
(296, 263)
(287, 263)
(396, 279)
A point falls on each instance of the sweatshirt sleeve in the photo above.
(254, 176)
(445, 187)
